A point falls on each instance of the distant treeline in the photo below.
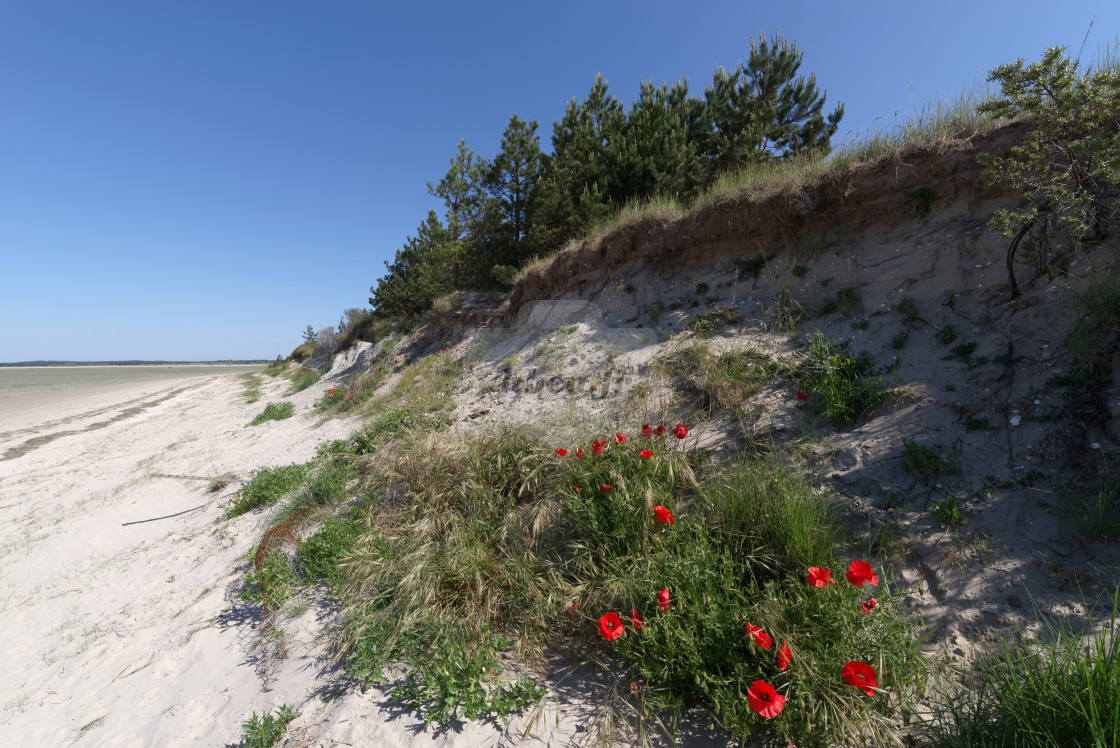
(230, 361)
(502, 213)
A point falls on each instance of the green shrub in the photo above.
(493, 533)
(267, 486)
(946, 335)
(275, 581)
(274, 412)
(319, 554)
(839, 386)
(923, 462)
(304, 380)
(948, 512)
(264, 731)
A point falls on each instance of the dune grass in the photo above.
(274, 412)
(302, 379)
(1061, 689)
(472, 549)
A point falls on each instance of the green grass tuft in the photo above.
(274, 412)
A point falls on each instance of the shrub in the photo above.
(268, 485)
(1067, 164)
(264, 731)
(305, 379)
(839, 386)
(274, 412)
(491, 534)
(923, 462)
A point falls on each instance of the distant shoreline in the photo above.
(72, 364)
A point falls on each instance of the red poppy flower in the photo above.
(663, 599)
(619, 437)
(647, 432)
(635, 688)
(784, 656)
(660, 429)
(646, 453)
(762, 698)
(801, 395)
(869, 605)
(597, 447)
(758, 636)
(820, 577)
(636, 619)
(579, 453)
(680, 431)
(561, 452)
(664, 515)
(575, 488)
(443, 351)
(605, 487)
(610, 626)
(861, 675)
(860, 572)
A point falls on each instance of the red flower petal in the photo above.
(646, 453)
(610, 626)
(663, 599)
(801, 395)
(784, 656)
(762, 698)
(680, 431)
(861, 675)
(660, 429)
(575, 488)
(664, 515)
(579, 453)
(619, 437)
(605, 487)
(561, 452)
(869, 605)
(597, 447)
(647, 432)
(636, 619)
(635, 688)
(819, 577)
(861, 571)
(758, 636)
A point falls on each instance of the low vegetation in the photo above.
(274, 412)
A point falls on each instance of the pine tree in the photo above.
(579, 178)
(309, 335)
(461, 191)
(510, 179)
(764, 110)
(422, 270)
(661, 152)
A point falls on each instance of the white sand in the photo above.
(127, 627)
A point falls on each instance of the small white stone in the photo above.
(1038, 402)
(1014, 420)
(1095, 445)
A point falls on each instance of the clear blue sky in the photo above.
(195, 179)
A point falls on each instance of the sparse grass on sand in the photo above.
(274, 412)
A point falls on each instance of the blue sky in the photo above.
(201, 180)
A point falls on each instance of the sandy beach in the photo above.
(116, 587)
